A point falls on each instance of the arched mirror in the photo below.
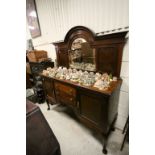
(81, 55)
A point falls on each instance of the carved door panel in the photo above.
(90, 108)
(63, 58)
(109, 55)
(93, 108)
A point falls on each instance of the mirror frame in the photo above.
(80, 32)
(92, 51)
(108, 49)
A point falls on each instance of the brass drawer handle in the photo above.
(71, 99)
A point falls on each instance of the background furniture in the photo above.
(37, 61)
(95, 108)
(37, 55)
(36, 68)
(29, 77)
(38, 90)
(40, 139)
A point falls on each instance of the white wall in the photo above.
(57, 17)
(123, 108)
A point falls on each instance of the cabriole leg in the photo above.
(113, 128)
(105, 144)
(48, 104)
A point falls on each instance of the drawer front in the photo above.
(65, 89)
(63, 98)
(65, 94)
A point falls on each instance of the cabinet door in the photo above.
(110, 57)
(63, 58)
(93, 108)
(49, 89)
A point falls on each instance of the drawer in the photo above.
(65, 94)
(63, 98)
(65, 89)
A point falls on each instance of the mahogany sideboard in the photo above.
(95, 108)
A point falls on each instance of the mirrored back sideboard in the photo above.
(83, 50)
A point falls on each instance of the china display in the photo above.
(87, 77)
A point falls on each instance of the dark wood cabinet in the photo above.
(63, 57)
(37, 67)
(40, 139)
(95, 108)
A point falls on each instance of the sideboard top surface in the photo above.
(113, 85)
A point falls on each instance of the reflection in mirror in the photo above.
(81, 55)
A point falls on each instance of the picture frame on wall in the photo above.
(32, 18)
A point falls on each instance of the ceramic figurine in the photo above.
(100, 81)
(46, 72)
(92, 73)
(68, 77)
(74, 70)
(62, 76)
(97, 76)
(98, 84)
(114, 78)
(49, 69)
(74, 77)
(69, 70)
(101, 84)
(65, 70)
